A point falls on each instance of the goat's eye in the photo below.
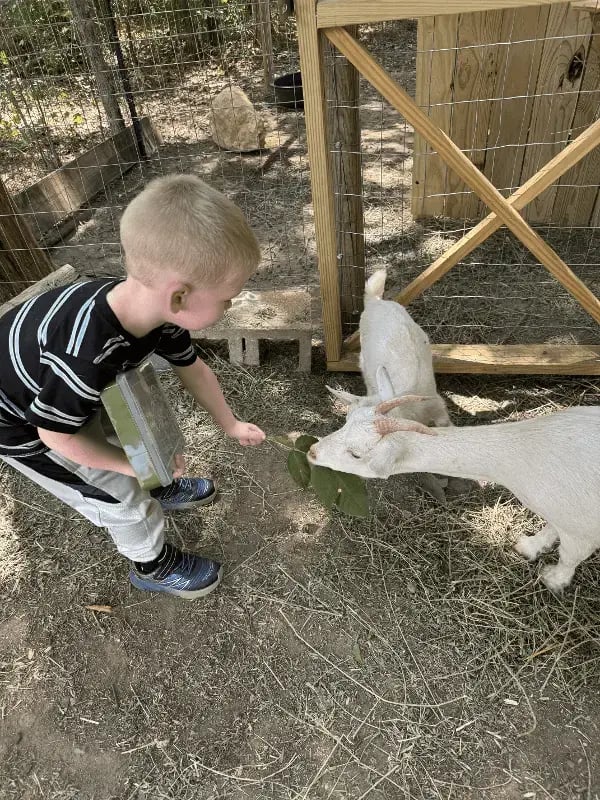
(354, 455)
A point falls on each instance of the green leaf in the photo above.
(298, 467)
(356, 654)
(353, 498)
(325, 483)
(305, 442)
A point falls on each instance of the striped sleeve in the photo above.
(175, 345)
(69, 394)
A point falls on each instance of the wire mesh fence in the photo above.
(76, 75)
(511, 91)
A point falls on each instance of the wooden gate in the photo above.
(328, 18)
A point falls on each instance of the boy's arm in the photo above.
(201, 382)
(87, 450)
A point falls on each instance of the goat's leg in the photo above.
(532, 547)
(572, 551)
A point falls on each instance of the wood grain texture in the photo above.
(311, 58)
(332, 13)
(455, 159)
(482, 359)
(556, 93)
(57, 195)
(436, 57)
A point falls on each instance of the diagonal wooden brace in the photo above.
(551, 172)
(455, 158)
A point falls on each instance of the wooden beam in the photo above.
(343, 97)
(22, 260)
(550, 173)
(483, 359)
(455, 159)
(60, 277)
(337, 13)
(61, 193)
(311, 64)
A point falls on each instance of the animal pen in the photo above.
(98, 97)
(505, 118)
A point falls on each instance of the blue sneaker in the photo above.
(185, 493)
(181, 574)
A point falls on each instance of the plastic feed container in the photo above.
(145, 424)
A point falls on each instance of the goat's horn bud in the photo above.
(384, 426)
(387, 405)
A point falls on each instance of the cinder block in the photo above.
(279, 314)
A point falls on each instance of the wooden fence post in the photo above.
(22, 260)
(342, 93)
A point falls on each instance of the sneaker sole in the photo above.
(192, 504)
(183, 593)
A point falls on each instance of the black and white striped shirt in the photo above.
(59, 351)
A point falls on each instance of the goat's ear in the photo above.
(385, 390)
(346, 398)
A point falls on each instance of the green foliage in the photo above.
(39, 38)
(347, 493)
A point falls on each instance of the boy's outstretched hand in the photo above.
(246, 433)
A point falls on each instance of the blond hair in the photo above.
(179, 223)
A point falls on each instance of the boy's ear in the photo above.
(178, 297)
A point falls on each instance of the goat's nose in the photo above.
(312, 453)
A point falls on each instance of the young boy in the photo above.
(188, 251)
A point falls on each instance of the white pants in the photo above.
(134, 520)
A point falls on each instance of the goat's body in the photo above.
(550, 463)
(392, 343)
(389, 337)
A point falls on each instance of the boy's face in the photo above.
(195, 308)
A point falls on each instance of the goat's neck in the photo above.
(480, 453)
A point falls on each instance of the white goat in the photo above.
(395, 358)
(551, 463)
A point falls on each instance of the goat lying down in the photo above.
(550, 463)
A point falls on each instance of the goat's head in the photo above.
(357, 446)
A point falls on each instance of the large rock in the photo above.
(236, 125)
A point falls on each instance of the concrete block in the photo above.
(282, 314)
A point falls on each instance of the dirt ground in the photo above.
(408, 655)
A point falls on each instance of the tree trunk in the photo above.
(89, 31)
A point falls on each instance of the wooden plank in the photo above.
(474, 81)
(572, 154)
(586, 5)
(436, 55)
(337, 13)
(311, 64)
(556, 91)
(58, 195)
(378, 77)
(342, 92)
(60, 277)
(578, 191)
(483, 359)
(21, 257)
(523, 31)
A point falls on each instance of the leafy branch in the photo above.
(334, 489)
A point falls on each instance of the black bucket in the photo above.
(288, 91)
